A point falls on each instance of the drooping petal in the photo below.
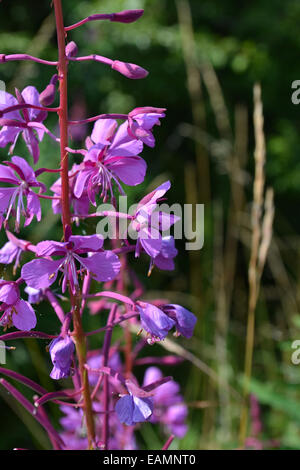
(7, 100)
(81, 181)
(130, 170)
(155, 321)
(31, 96)
(40, 273)
(5, 196)
(142, 410)
(123, 144)
(184, 319)
(8, 253)
(25, 169)
(33, 208)
(23, 316)
(8, 134)
(124, 409)
(61, 351)
(150, 240)
(165, 259)
(7, 175)
(50, 247)
(9, 292)
(103, 266)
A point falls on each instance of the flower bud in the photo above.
(127, 16)
(47, 96)
(71, 49)
(132, 71)
(61, 351)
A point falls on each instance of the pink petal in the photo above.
(130, 170)
(103, 130)
(40, 273)
(25, 318)
(102, 266)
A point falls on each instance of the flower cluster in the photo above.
(104, 402)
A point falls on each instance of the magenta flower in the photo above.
(16, 312)
(41, 273)
(16, 122)
(141, 122)
(132, 409)
(61, 352)
(148, 222)
(154, 321)
(21, 175)
(184, 319)
(113, 158)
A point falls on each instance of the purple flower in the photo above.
(17, 312)
(184, 319)
(74, 436)
(21, 175)
(9, 253)
(132, 409)
(141, 122)
(169, 408)
(148, 222)
(96, 360)
(61, 351)
(41, 273)
(154, 321)
(16, 122)
(113, 158)
(159, 321)
(165, 259)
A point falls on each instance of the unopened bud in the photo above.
(127, 16)
(132, 71)
(71, 49)
(47, 96)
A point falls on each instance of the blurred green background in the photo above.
(204, 58)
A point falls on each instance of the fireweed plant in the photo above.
(105, 404)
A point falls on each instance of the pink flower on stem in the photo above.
(159, 321)
(21, 175)
(148, 222)
(16, 312)
(114, 157)
(61, 351)
(142, 120)
(16, 122)
(41, 273)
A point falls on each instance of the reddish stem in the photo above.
(106, 346)
(168, 442)
(79, 335)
